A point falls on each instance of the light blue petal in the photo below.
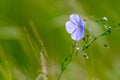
(75, 19)
(78, 34)
(81, 23)
(70, 27)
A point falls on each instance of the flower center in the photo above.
(79, 26)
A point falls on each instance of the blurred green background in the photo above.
(28, 25)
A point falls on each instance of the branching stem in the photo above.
(69, 58)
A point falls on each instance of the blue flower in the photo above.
(75, 27)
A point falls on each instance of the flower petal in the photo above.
(75, 19)
(70, 27)
(78, 34)
(81, 22)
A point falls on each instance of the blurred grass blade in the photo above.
(5, 69)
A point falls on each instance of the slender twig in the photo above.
(67, 61)
(92, 40)
(69, 58)
(64, 66)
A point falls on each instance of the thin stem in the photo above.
(94, 39)
(64, 67)
(67, 61)
(69, 58)
(74, 46)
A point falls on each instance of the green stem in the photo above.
(67, 61)
(94, 39)
(70, 57)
